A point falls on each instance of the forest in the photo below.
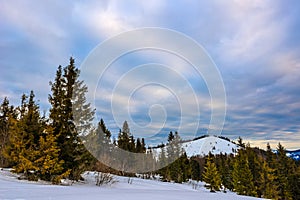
(52, 147)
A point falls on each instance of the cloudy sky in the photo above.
(253, 43)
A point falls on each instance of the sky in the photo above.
(254, 45)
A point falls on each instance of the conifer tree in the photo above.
(174, 152)
(174, 149)
(170, 136)
(255, 166)
(7, 112)
(139, 147)
(195, 170)
(104, 129)
(223, 165)
(24, 135)
(123, 137)
(143, 146)
(50, 168)
(241, 143)
(162, 159)
(211, 175)
(98, 141)
(267, 187)
(241, 175)
(70, 117)
(283, 172)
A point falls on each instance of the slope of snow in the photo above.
(208, 144)
(11, 188)
(203, 146)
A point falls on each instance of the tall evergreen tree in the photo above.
(255, 166)
(283, 172)
(242, 176)
(104, 129)
(71, 117)
(268, 188)
(195, 170)
(7, 113)
(223, 162)
(170, 136)
(139, 147)
(211, 175)
(174, 152)
(24, 136)
(123, 137)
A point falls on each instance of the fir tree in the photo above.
(50, 168)
(174, 151)
(255, 166)
(170, 137)
(241, 143)
(7, 112)
(267, 186)
(241, 176)
(211, 176)
(195, 170)
(123, 137)
(24, 134)
(139, 147)
(71, 117)
(283, 171)
(104, 129)
(98, 141)
(223, 162)
(143, 146)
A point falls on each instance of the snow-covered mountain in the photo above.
(294, 154)
(203, 145)
(213, 144)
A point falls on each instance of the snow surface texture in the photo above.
(205, 145)
(13, 189)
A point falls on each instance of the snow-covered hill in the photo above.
(11, 188)
(293, 154)
(212, 144)
(204, 145)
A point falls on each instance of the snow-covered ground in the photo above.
(13, 189)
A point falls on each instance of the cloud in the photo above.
(254, 44)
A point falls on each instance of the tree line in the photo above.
(250, 171)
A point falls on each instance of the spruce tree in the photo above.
(138, 147)
(24, 137)
(241, 176)
(174, 152)
(211, 176)
(104, 129)
(123, 137)
(195, 170)
(267, 187)
(225, 170)
(98, 141)
(255, 166)
(283, 172)
(70, 117)
(170, 136)
(7, 112)
(143, 146)
(50, 168)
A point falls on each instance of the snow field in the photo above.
(13, 189)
